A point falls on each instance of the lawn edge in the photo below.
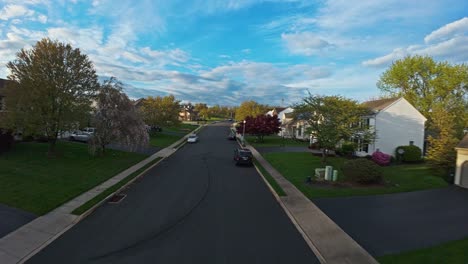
(132, 179)
(176, 146)
(280, 192)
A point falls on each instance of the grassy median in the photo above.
(270, 179)
(86, 206)
(33, 182)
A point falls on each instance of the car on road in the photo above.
(232, 136)
(192, 138)
(243, 156)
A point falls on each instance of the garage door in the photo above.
(464, 175)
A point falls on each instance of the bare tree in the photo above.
(116, 120)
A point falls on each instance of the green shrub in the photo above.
(362, 171)
(348, 148)
(412, 153)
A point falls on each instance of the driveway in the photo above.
(12, 218)
(194, 207)
(391, 223)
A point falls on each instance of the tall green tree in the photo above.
(250, 108)
(53, 87)
(333, 119)
(439, 91)
(161, 111)
(203, 110)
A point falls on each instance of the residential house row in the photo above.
(395, 121)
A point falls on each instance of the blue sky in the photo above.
(227, 51)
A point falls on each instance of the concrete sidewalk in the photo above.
(21, 244)
(328, 241)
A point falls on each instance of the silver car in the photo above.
(192, 138)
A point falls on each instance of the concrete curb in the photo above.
(293, 220)
(303, 215)
(63, 212)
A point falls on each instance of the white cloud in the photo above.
(396, 54)
(449, 30)
(11, 11)
(42, 19)
(304, 43)
(449, 42)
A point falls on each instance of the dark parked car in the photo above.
(232, 136)
(243, 156)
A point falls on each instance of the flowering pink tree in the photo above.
(116, 119)
(260, 126)
(381, 158)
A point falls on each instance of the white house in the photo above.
(461, 174)
(396, 123)
(289, 127)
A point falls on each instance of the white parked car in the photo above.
(192, 138)
(83, 135)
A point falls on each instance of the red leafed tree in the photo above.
(260, 126)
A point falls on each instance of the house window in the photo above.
(299, 132)
(365, 147)
(2, 103)
(411, 143)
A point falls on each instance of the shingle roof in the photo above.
(464, 142)
(377, 105)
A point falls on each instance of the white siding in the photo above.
(397, 125)
(462, 157)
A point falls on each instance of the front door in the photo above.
(464, 175)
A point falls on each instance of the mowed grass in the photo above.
(275, 141)
(455, 252)
(98, 198)
(270, 179)
(162, 140)
(169, 135)
(181, 128)
(33, 182)
(402, 178)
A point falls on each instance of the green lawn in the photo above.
(275, 141)
(403, 178)
(170, 135)
(455, 252)
(162, 140)
(33, 182)
(181, 128)
(270, 179)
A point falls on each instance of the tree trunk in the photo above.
(51, 151)
(324, 155)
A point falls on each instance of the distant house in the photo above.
(188, 113)
(138, 103)
(290, 128)
(461, 174)
(396, 123)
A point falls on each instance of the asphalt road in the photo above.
(392, 223)
(194, 207)
(13, 218)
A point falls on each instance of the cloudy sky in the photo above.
(227, 51)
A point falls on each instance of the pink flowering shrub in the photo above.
(381, 158)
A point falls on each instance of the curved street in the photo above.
(194, 207)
